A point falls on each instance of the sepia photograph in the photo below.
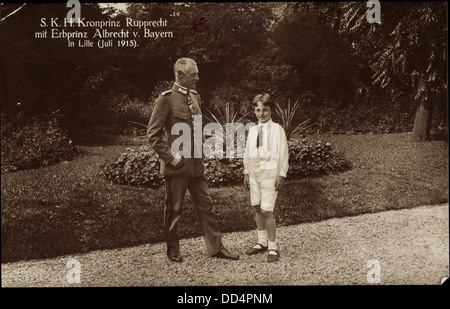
(239, 146)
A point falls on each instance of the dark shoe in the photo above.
(224, 254)
(174, 256)
(272, 257)
(252, 251)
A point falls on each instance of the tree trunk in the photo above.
(422, 121)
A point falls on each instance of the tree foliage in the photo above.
(407, 50)
(326, 50)
(316, 51)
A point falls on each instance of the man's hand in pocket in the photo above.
(176, 162)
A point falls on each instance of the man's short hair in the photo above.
(265, 99)
(182, 64)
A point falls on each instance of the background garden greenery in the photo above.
(78, 175)
(350, 76)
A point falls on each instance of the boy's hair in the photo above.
(265, 99)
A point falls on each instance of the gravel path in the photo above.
(411, 245)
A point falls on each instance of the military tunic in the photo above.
(177, 105)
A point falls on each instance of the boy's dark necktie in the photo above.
(259, 138)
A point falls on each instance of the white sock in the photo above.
(272, 246)
(262, 238)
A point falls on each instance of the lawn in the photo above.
(67, 208)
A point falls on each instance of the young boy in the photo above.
(265, 168)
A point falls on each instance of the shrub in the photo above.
(135, 109)
(307, 159)
(134, 167)
(224, 172)
(371, 115)
(141, 167)
(131, 109)
(132, 114)
(36, 143)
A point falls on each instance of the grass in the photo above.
(67, 208)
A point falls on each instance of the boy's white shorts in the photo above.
(262, 192)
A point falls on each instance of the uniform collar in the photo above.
(183, 90)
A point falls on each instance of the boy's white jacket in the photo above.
(272, 158)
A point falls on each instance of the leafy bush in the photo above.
(134, 167)
(36, 143)
(364, 120)
(307, 159)
(223, 172)
(141, 167)
(130, 112)
(131, 109)
(134, 109)
(374, 114)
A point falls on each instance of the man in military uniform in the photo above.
(178, 106)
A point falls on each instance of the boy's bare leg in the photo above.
(260, 228)
(270, 224)
(259, 218)
(271, 233)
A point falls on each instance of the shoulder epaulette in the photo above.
(166, 92)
